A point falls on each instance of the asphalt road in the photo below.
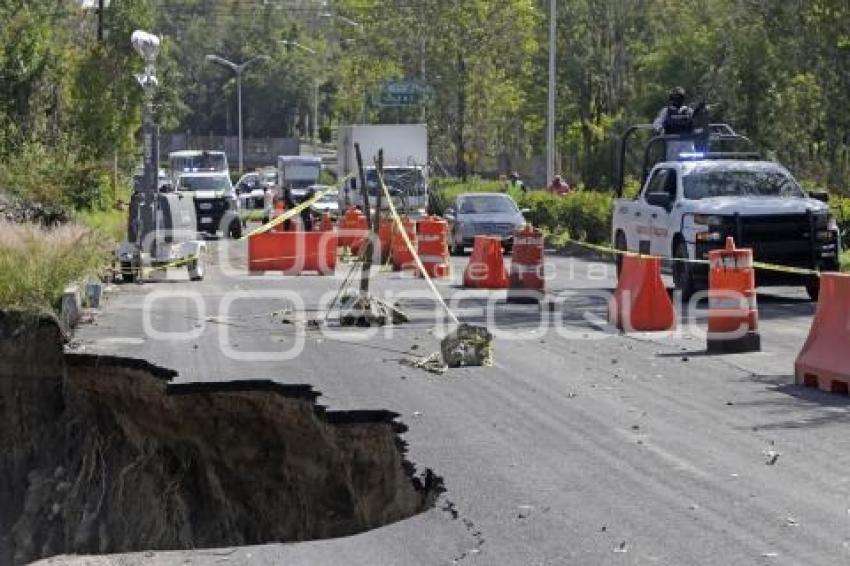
(580, 446)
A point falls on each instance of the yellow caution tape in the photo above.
(413, 251)
(756, 264)
(287, 214)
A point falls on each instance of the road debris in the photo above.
(621, 548)
(771, 456)
(366, 311)
(468, 346)
(431, 363)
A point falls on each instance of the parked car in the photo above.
(329, 202)
(482, 214)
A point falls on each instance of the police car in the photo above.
(690, 205)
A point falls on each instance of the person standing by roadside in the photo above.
(559, 187)
(307, 214)
(516, 188)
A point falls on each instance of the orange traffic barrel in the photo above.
(823, 361)
(526, 282)
(401, 256)
(385, 235)
(433, 246)
(640, 302)
(486, 267)
(732, 312)
(354, 229)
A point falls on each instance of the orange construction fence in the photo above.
(640, 301)
(293, 252)
(824, 361)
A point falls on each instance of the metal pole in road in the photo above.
(238, 69)
(239, 111)
(550, 126)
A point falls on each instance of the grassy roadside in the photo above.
(36, 263)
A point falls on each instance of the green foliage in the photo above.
(325, 134)
(327, 177)
(55, 177)
(584, 215)
(37, 263)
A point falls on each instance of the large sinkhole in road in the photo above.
(106, 455)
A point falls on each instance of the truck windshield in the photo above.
(200, 162)
(218, 183)
(486, 205)
(409, 182)
(301, 172)
(700, 183)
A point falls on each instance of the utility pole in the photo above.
(100, 7)
(461, 117)
(550, 126)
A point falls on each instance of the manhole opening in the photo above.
(114, 458)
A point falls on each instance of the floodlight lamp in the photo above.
(146, 45)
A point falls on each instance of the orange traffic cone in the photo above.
(486, 268)
(640, 301)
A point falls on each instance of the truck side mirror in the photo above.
(659, 199)
(822, 196)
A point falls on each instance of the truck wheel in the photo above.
(683, 276)
(455, 248)
(620, 244)
(234, 230)
(813, 288)
(128, 274)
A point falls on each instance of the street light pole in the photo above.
(239, 113)
(550, 126)
(147, 46)
(238, 69)
(315, 120)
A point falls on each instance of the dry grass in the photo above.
(36, 263)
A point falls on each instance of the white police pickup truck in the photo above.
(689, 206)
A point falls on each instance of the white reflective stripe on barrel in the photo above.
(730, 262)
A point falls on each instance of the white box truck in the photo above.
(405, 164)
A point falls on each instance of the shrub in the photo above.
(55, 178)
(325, 134)
(36, 263)
(584, 215)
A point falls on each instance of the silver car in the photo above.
(482, 214)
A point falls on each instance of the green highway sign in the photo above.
(404, 93)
